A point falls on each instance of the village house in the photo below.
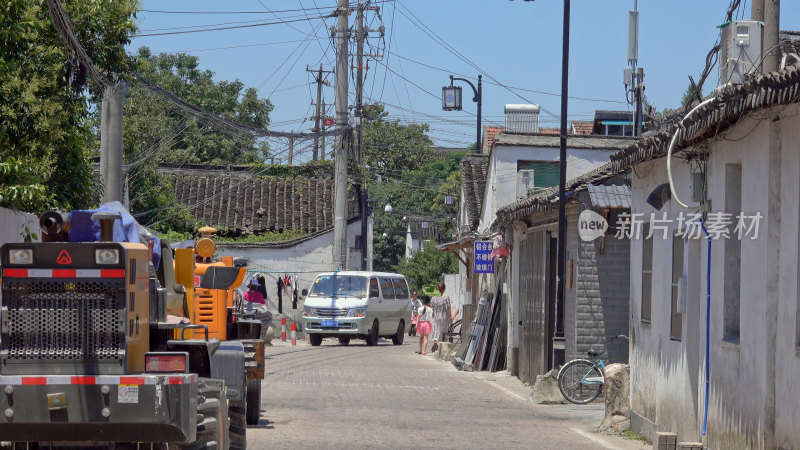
(241, 203)
(715, 320)
(545, 334)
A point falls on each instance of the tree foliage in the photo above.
(156, 131)
(391, 148)
(45, 98)
(427, 266)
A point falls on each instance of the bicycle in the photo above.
(581, 380)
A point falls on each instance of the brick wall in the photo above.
(601, 297)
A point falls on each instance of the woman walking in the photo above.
(424, 327)
(442, 316)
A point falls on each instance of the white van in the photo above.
(363, 305)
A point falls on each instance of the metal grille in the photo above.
(63, 320)
(331, 312)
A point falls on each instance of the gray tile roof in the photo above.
(587, 141)
(730, 103)
(473, 183)
(610, 196)
(250, 204)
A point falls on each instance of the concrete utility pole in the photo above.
(340, 182)
(770, 51)
(322, 142)
(318, 116)
(291, 149)
(111, 142)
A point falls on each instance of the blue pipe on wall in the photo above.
(708, 323)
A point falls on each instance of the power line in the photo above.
(263, 24)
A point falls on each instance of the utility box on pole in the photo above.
(740, 50)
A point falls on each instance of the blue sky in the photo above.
(514, 42)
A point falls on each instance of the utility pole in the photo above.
(634, 76)
(318, 117)
(770, 52)
(291, 149)
(322, 149)
(639, 88)
(340, 182)
(562, 179)
(111, 141)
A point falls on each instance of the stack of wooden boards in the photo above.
(484, 346)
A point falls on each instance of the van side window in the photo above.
(373, 288)
(387, 288)
(400, 288)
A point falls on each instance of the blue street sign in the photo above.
(483, 263)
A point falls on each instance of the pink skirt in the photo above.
(424, 328)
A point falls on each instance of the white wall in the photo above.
(754, 385)
(501, 186)
(304, 260)
(12, 222)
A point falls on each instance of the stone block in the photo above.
(545, 389)
(665, 441)
(617, 399)
(690, 446)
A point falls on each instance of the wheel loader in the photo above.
(98, 345)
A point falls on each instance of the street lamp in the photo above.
(451, 101)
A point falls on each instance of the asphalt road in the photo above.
(387, 396)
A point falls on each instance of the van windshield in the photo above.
(339, 286)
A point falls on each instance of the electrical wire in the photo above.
(263, 24)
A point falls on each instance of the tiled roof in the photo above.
(592, 142)
(582, 126)
(553, 131)
(473, 183)
(728, 105)
(491, 132)
(251, 204)
(610, 196)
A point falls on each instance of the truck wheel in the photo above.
(210, 419)
(238, 423)
(316, 339)
(253, 401)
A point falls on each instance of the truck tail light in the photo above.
(168, 362)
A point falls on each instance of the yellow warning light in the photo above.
(205, 247)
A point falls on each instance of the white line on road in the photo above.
(502, 389)
(593, 438)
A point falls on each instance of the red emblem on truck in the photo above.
(64, 258)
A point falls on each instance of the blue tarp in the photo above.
(84, 229)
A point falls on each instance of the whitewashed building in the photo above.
(736, 155)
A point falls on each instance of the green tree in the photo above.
(388, 251)
(391, 148)
(427, 266)
(45, 98)
(155, 132)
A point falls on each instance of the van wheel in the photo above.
(316, 339)
(344, 340)
(398, 337)
(372, 337)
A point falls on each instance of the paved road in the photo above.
(389, 397)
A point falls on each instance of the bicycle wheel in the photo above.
(572, 381)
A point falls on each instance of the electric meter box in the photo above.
(740, 50)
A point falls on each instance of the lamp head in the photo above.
(387, 208)
(659, 196)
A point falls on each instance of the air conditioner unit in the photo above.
(740, 50)
(524, 182)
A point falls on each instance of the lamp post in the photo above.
(451, 101)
